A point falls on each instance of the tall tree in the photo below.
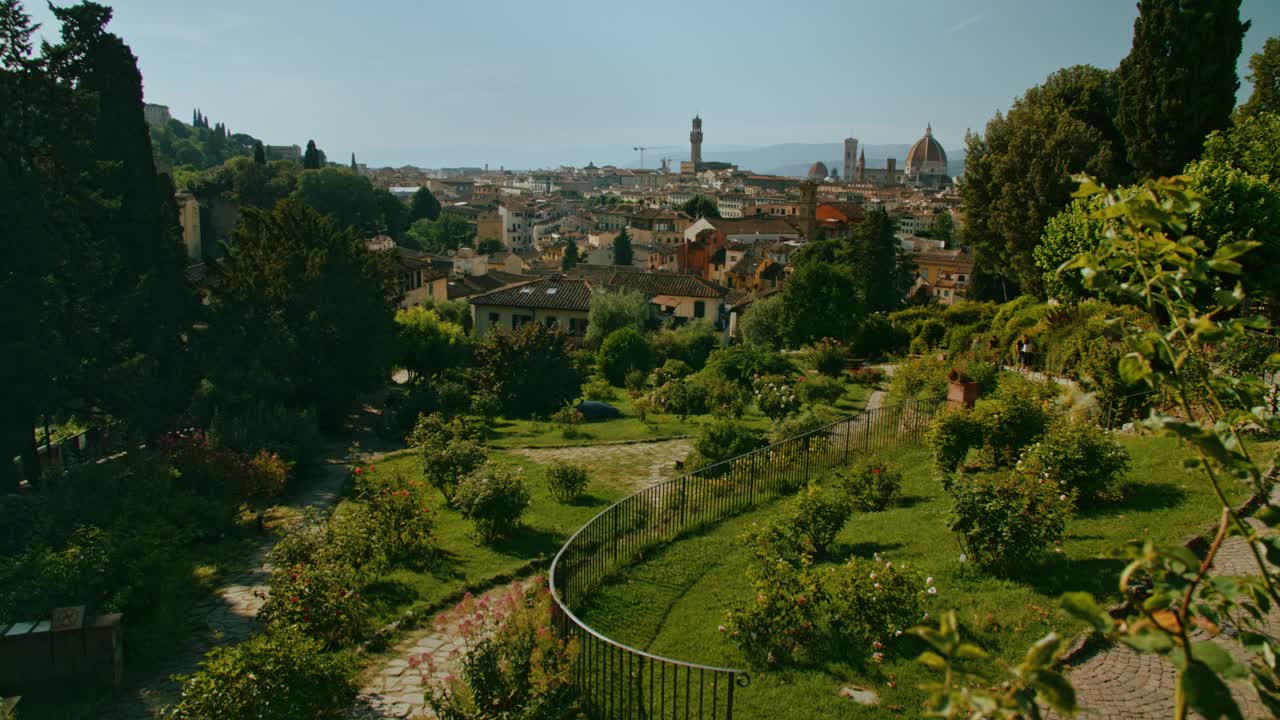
(315, 291)
(1264, 68)
(449, 232)
(622, 252)
(395, 216)
(1018, 174)
(424, 205)
(821, 300)
(311, 158)
(354, 167)
(259, 153)
(874, 261)
(346, 197)
(571, 257)
(1178, 83)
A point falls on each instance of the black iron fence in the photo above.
(618, 681)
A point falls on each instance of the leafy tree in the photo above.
(765, 323)
(1265, 69)
(1017, 175)
(488, 246)
(821, 300)
(259, 153)
(449, 232)
(528, 370)
(424, 205)
(874, 261)
(622, 252)
(1178, 83)
(347, 198)
(700, 206)
(1238, 207)
(942, 227)
(1075, 230)
(623, 351)
(428, 344)
(395, 216)
(311, 158)
(614, 311)
(571, 257)
(1252, 144)
(301, 315)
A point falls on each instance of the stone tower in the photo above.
(695, 143)
(808, 208)
(862, 166)
(850, 160)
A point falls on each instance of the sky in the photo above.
(530, 83)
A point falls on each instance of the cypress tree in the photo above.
(259, 153)
(424, 205)
(571, 257)
(1178, 82)
(354, 167)
(311, 158)
(622, 252)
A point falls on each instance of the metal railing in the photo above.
(619, 681)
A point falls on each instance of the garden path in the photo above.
(230, 616)
(1116, 683)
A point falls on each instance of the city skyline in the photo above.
(396, 84)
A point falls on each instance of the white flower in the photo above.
(928, 581)
(1062, 498)
(897, 633)
(933, 591)
(962, 557)
(873, 576)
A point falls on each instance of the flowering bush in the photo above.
(816, 516)
(870, 483)
(320, 598)
(776, 399)
(872, 602)
(1006, 520)
(829, 356)
(1013, 418)
(204, 466)
(493, 498)
(1082, 459)
(402, 519)
(681, 397)
(449, 450)
(598, 389)
(672, 369)
(566, 481)
(265, 475)
(280, 674)
(817, 389)
(514, 665)
(866, 375)
(568, 418)
(804, 422)
(722, 439)
(634, 381)
(780, 622)
(951, 436)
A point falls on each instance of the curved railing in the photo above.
(619, 681)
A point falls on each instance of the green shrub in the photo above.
(870, 483)
(568, 418)
(985, 374)
(690, 344)
(806, 421)
(722, 439)
(514, 664)
(1246, 353)
(1006, 521)
(449, 450)
(634, 382)
(953, 433)
(266, 475)
(528, 370)
(722, 397)
(279, 674)
(817, 389)
(877, 337)
(352, 536)
(829, 356)
(404, 520)
(866, 375)
(775, 399)
(741, 364)
(1015, 416)
(919, 379)
(816, 516)
(322, 599)
(681, 397)
(294, 434)
(672, 369)
(1079, 457)
(493, 498)
(621, 352)
(781, 621)
(599, 389)
(870, 603)
(566, 481)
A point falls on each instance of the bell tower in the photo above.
(695, 143)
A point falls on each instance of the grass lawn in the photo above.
(673, 603)
(508, 433)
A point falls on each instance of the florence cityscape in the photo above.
(555, 361)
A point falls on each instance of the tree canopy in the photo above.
(448, 232)
(1178, 83)
(701, 206)
(622, 252)
(424, 205)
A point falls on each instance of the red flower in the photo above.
(875, 470)
(801, 600)
(359, 471)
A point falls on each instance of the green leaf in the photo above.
(1081, 606)
(1134, 368)
(1230, 251)
(932, 660)
(1056, 690)
(1041, 654)
(1218, 659)
(1207, 694)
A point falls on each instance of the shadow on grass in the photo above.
(587, 500)
(528, 542)
(385, 595)
(843, 551)
(1144, 497)
(910, 501)
(1058, 574)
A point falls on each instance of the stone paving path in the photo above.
(1117, 683)
(635, 465)
(231, 615)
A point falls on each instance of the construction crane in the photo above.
(641, 150)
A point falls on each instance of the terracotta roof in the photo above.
(551, 293)
(665, 284)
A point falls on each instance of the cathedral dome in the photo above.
(818, 171)
(927, 154)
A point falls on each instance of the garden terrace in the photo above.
(618, 680)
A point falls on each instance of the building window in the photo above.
(550, 321)
(577, 326)
(518, 320)
(699, 309)
(494, 319)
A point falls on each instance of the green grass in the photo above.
(673, 604)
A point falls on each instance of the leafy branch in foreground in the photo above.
(1184, 610)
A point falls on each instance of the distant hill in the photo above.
(795, 159)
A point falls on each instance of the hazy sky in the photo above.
(473, 81)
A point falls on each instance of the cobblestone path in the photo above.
(1117, 683)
